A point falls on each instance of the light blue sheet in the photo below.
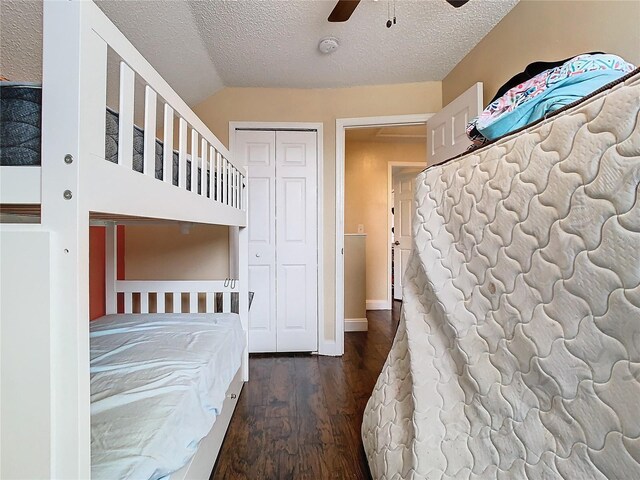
(157, 384)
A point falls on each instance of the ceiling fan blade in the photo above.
(343, 10)
(457, 3)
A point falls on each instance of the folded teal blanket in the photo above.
(548, 91)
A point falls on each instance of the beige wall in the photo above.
(318, 105)
(366, 197)
(301, 105)
(546, 30)
(313, 105)
(164, 252)
(355, 299)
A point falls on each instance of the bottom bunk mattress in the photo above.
(517, 355)
(158, 382)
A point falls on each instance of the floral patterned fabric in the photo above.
(544, 93)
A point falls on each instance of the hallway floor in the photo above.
(299, 416)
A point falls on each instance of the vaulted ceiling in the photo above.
(201, 46)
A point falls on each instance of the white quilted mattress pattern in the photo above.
(518, 349)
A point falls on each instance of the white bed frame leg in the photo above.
(74, 73)
(111, 270)
(239, 268)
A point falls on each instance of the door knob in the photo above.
(396, 243)
(258, 255)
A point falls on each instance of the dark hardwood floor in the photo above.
(299, 416)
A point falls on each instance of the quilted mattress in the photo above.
(518, 350)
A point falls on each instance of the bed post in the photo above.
(111, 268)
(73, 101)
(239, 268)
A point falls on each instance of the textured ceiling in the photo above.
(274, 43)
(21, 40)
(201, 46)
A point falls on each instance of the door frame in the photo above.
(342, 124)
(391, 166)
(324, 347)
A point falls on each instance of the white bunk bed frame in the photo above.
(45, 267)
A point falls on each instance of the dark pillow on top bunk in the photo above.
(111, 137)
(20, 123)
(111, 141)
(111, 152)
(111, 145)
(138, 149)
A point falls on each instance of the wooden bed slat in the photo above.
(233, 186)
(212, 171)
(229, 184)
(194, 160)
(125, 122)
(236, 187)
(193, 302)
(144, 302)
(160, 308)
(209, 304)
(182, 154)
(225, 180)
(219, 176)
(177, 302)
(226, 302)
(150, 103)
(128, 302)
(167, 152)
(204, 150)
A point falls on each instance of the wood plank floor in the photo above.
(299, 416)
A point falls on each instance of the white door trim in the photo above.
(343, 124)
(325, 347)
(391, 166)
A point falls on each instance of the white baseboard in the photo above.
(378, 305)
(328, 348)
(356, 325)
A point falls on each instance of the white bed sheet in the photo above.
(157, 384)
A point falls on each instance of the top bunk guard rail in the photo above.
(75, 73)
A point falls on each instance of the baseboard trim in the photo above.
(356, 325)
(328, 348)
(378, 305)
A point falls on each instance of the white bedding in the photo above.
(518, 350)
(157, 384)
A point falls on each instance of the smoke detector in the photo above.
(328, 45)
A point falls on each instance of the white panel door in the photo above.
(403, 207)
(296, 233)
(257, 151)
(446, 130)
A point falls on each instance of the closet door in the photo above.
(257, 150)
(297, 251)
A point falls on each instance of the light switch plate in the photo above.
(360, 228)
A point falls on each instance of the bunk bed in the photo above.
(60, 375)
(517, 351)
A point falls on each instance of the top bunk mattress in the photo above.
(20, 132)
(158, 382)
